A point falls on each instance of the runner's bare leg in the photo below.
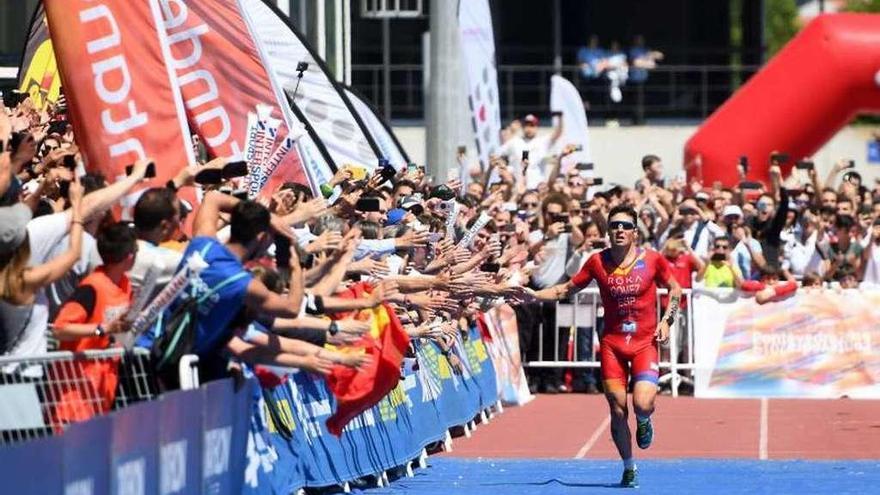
(620, 432)
(644, 393)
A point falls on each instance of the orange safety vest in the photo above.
(88, 388)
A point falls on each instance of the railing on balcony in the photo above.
(680, 92)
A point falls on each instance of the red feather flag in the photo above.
(358, 390)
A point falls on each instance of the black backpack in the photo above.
(177, 336)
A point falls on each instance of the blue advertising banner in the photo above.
(423, 411)
(482, 368)
(135, 452)
(219, 420)
(180, 443)
(242, 406)
(330, 460)
(275, 442)
(88, 474)
(23, 458)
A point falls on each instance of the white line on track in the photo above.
(594, 438)
(762, 439)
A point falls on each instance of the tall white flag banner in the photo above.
(565, 98)
(478, 54)
(379, 130)
(319, 102)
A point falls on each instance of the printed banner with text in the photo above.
(819, 344)
(229, 97)
(122, 100)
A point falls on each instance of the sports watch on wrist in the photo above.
(334, 328)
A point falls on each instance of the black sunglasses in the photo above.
(621, 225)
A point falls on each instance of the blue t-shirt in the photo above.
(218, 311)
(590, 57)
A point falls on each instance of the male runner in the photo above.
(627, 277)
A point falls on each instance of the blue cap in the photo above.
(395, 216)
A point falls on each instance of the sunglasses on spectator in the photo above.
(621, 225)
(688, 211)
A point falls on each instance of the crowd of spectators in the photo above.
(75, 248)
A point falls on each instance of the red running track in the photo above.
(576, 426)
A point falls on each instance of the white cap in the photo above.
(732, 210)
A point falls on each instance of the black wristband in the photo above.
(334, 328)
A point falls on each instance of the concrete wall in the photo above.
(617, 152)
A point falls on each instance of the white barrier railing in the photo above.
(40, 395)
(582, 314)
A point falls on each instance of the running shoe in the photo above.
(630, 478)
(644, 434)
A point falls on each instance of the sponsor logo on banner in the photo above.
(172, 467)
(230, 100)
(131, 477)
(215, 459)
(122, 101)
(84, 486)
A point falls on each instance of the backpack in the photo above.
(177, 336)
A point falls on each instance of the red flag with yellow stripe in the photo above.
(358, 390)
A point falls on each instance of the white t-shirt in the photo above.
(48, 238)
(707, 236)
(538, 148)
(149, 255)
(551, 271)
(801, 257)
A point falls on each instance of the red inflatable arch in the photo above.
(814, 86)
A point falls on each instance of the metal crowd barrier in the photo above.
(583, 313)
(40, 395)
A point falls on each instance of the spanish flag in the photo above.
(358, 390)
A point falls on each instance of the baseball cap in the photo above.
(13, 226)
(531, 119)
(394, 216)
(412, 203)
(732, 211)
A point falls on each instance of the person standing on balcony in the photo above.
(591, 59)
(628, 277)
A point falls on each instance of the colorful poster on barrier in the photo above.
(505, 353)
(820, 344)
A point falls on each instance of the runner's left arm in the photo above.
(664, 276)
